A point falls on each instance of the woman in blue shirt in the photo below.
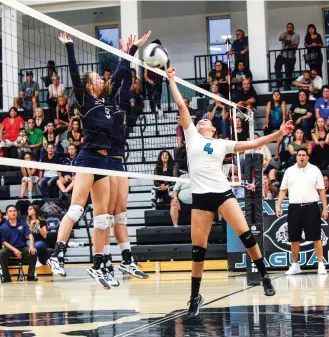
(276, 110)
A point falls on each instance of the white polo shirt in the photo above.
(302, 183)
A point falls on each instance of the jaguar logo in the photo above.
(278, 235)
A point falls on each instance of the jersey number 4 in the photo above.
(208, 148)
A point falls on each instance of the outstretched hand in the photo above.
(139, 43)
(63, 37)
(286, 128)
(126, 45)
(171, 72)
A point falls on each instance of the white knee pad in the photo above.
(111, 221)
(121, 219)
(75, 212)
(101, 221)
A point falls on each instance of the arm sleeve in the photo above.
(319, 180)
(79, 91)
(43, 224)
(296, 39)
(284, 183)
(300, 78)
(22, 87)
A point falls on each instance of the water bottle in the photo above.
(2, 181)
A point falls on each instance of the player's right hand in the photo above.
(278, 212)
(63, 37)
(171, 72)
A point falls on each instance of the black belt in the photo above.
(305, 204)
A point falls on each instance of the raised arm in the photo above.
(185, 120)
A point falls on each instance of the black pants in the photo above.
(289, 65)
(5, 254)
(154, 93)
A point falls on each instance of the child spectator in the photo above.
(22, 143)
(62, 113)
(30, 178)
(276, 111)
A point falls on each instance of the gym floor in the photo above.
(77, 306)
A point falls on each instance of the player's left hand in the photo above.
(286, 128)
(139, 43)
(324, 214)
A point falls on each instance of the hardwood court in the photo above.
(76, 306)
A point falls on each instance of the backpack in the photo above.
(53, 226)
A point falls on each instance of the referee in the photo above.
(304, 182)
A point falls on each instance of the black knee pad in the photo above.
(198, 254)
(248, 239)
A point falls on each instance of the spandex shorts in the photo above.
(93, 159)
(210, 201)
(115, 164)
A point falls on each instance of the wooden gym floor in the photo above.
(77, 306)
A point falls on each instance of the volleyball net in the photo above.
(31, 47)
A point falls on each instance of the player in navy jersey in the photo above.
(96, 115)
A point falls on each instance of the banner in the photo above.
(276, 245)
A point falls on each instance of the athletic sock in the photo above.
(261, 266)
(196, 282)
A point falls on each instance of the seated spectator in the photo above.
(242, 133)
(247, 97)
(181, 202)
(320, 152)
(11, 127)
(209, 102)
(283, 153)
(39, 118)
(55, 90)
(35, 138)
(303, 81)
(2, 218)
(240, 48)
(65, 183)
(160, 194)
(313, 44)
(269, 190)
(317, 84)
(301, 113)
(22, 143)
(218, 74)
(238, 191)
(326, 183)
(135, 91)
(30, 178)
(321, 106)
(50, 136)
(28, 94)
(220, 119)
(276, 111)
(13, 233)
(62, 113)
(48, 178)
(299, 142)
(38, 227)
(240, 73)
(74, 136)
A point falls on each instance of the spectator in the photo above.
(66, 182)
(303, 81)
(48, 178)
(289, 41)
(2, 218)
(135, 90)
(301, 113)
(50, 136)
(283, 154)
(247, 97)
(11, 126)
(317, 84)
(181, 203)
(107, 79)
(313, 44)
(22, 143)
(35, 138)
(326, 183)
(208, 102)
(242, 133)
(269, 190)
(30, 178)
(51, 71)
(39, 118)
(320, 152)
(74, 136)
(240, 73)
(62, 113)
(276, 110)
(217, 75)
(219, 117)
(240, 48)
(299, 142)
(28, 94)
(238, 191)
(160, 194)
(13, 233)
(321, 105)
(55, 90)
(38, 227)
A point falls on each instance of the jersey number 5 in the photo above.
(208, 148)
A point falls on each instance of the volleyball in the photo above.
(155, 56)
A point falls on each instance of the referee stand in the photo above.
(253, 173)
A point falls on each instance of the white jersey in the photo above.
(205, 160)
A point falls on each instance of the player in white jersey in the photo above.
(212, 193)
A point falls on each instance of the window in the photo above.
(110, 36)
(218, 31)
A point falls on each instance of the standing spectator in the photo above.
(11, 126)
(289, 41)
(30, 178)
(28, 94)
(51, 71)
(74, 136)
(304, 183)
(65, 183)
(50, 136)
(240, 48)
(283, 154)
(55, 90)
(320, 152)
(220, 119)
(313, 44)
(164, 166)
(218, 74)
(13, 233)
(326, 183)
(301, 113)
(181, 203)
(35, 138)
(247, 97)
(38, 227)
(62, 113)
(39, 118)
(240, 73)
(276, 110)
(48, 178)
(321, 106)
(22, 143)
